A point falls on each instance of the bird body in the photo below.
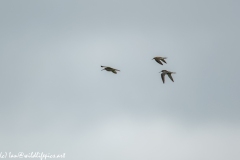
(164, 72)
(160, 60)
(110, 69)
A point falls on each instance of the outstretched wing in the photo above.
(163, 77)
(163, 60)
(158, 61)
(170, 76)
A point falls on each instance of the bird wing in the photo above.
(163, 77)
(104, 66)
(163, 60)
(170, 76)
(157, 60)
(114, 71)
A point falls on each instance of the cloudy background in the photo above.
(55, 99)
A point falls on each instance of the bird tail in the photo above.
(173, 72)
(164, 57)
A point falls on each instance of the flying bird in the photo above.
(160, 60)
(110, 69)
(164, 72)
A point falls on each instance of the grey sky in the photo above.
(55, 99)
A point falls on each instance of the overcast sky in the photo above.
(55, 98)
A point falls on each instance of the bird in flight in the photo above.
(164, 72)
(160, 60)
(110, 69)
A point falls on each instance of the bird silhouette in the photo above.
(164, 72)
(110, 69)
(160, 60)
